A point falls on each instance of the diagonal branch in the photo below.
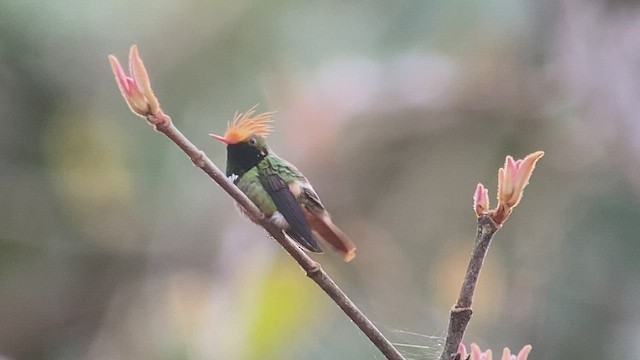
(461, 311)
(163, 124)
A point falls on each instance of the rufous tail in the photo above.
(323, 225)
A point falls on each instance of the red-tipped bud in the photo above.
(462, 352)
(477, 354)
(522, 355)
(136, 88)
(141, 78)
(481, 200)
(514, 177)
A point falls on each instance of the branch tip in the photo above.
(513, 177)
(135, 87)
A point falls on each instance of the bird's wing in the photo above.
(288, 206)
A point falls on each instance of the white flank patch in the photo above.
(233, 178)
(306, 185)
(278, 220)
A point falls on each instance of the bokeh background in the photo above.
(114, 246)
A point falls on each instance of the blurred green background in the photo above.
(113, 246)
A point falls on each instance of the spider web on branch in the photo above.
(413, 345)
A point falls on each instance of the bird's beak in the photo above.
(219, 138)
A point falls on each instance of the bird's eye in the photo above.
(253, 141)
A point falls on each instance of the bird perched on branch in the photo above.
(277, 188)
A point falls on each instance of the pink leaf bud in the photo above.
(481, 200)
(477, 354)
(135, 88)
(512, 179)
(139, 73)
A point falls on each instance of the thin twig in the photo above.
(461, 312)
(163, 124)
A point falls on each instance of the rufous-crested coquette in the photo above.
(278, 188)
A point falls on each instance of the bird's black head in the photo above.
(243, 156)
(245, 139)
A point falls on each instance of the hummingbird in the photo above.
(276, 187)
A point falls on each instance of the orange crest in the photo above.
(245, 125)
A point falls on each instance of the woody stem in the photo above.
(461, 311)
